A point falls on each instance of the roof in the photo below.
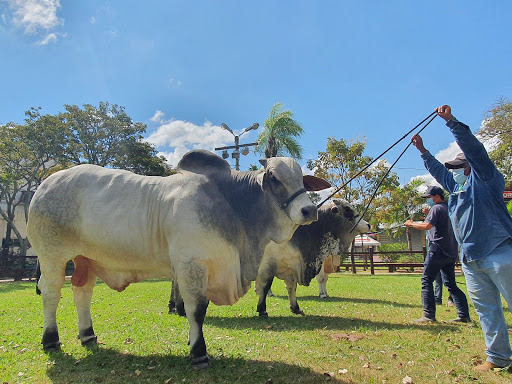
(365, 241)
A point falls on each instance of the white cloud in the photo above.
(174, 82)
(34, 15)
(51, 37)
(182, 136)
(428, 181)
(449, 153)
(157, 117)
(92, 20)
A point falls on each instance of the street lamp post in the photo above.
(236, 147)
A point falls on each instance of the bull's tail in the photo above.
(38, 275)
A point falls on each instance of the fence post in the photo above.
(352, 260)
(424, 248)
(372, 268)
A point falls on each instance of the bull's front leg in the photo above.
(263, 284)
(291, 287)
(262, 300)
(322, 283)
(193, 284)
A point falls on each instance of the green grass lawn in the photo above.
(362, 334)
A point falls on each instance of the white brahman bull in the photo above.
(206, 227)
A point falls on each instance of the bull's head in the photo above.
(282, 179)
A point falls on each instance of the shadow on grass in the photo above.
(108, 366)
(332, 299)
(311, 323)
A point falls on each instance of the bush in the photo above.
(414, 258)
(393, 247)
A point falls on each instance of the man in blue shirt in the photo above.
(483, 228)
(441, 257)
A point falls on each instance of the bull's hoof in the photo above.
(53, 346)
(297, 311)
(200, 362)
(263, 315)
(324, 296)
(51, 340)
(90, 341)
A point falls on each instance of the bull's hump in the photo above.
(203, 162)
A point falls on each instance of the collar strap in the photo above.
(291, 198)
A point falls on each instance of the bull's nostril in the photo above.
(308, 212)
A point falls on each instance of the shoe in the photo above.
(424, 319)
(488, 366)
(461, 320)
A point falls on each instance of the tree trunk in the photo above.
(409, 238)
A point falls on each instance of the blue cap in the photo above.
(433, 190)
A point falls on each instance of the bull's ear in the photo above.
(335, 209)
(263, 162)
(313, 183)
(262, 180)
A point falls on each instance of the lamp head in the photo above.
(224, 126)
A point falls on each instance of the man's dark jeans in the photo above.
(434, 263)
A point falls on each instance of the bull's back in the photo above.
(98, 210)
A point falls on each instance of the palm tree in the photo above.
(278, 136)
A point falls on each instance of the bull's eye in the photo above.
(348, 213)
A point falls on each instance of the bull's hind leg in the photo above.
(193, 284)
(50, 284)
(176, 301)
(83, 281)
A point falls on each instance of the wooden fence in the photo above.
(367, 261)
(16, 267)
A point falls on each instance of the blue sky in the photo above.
(345, 68)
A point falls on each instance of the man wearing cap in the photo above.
(483, 228)
(441, 257)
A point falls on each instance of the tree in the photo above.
(315, 197)
(28, 154)
(279, 133)
(142, 158)
(341, 161)
(497, 129)
(398, 205)
(100, 135)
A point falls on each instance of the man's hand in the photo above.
(445, 112)
(408, 223)
(417, 141)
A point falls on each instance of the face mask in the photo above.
(459, 176)
(430, 202)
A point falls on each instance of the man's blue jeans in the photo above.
(435, 262)
(486, 279)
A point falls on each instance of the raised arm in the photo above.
(434, 167)
(476, 155)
